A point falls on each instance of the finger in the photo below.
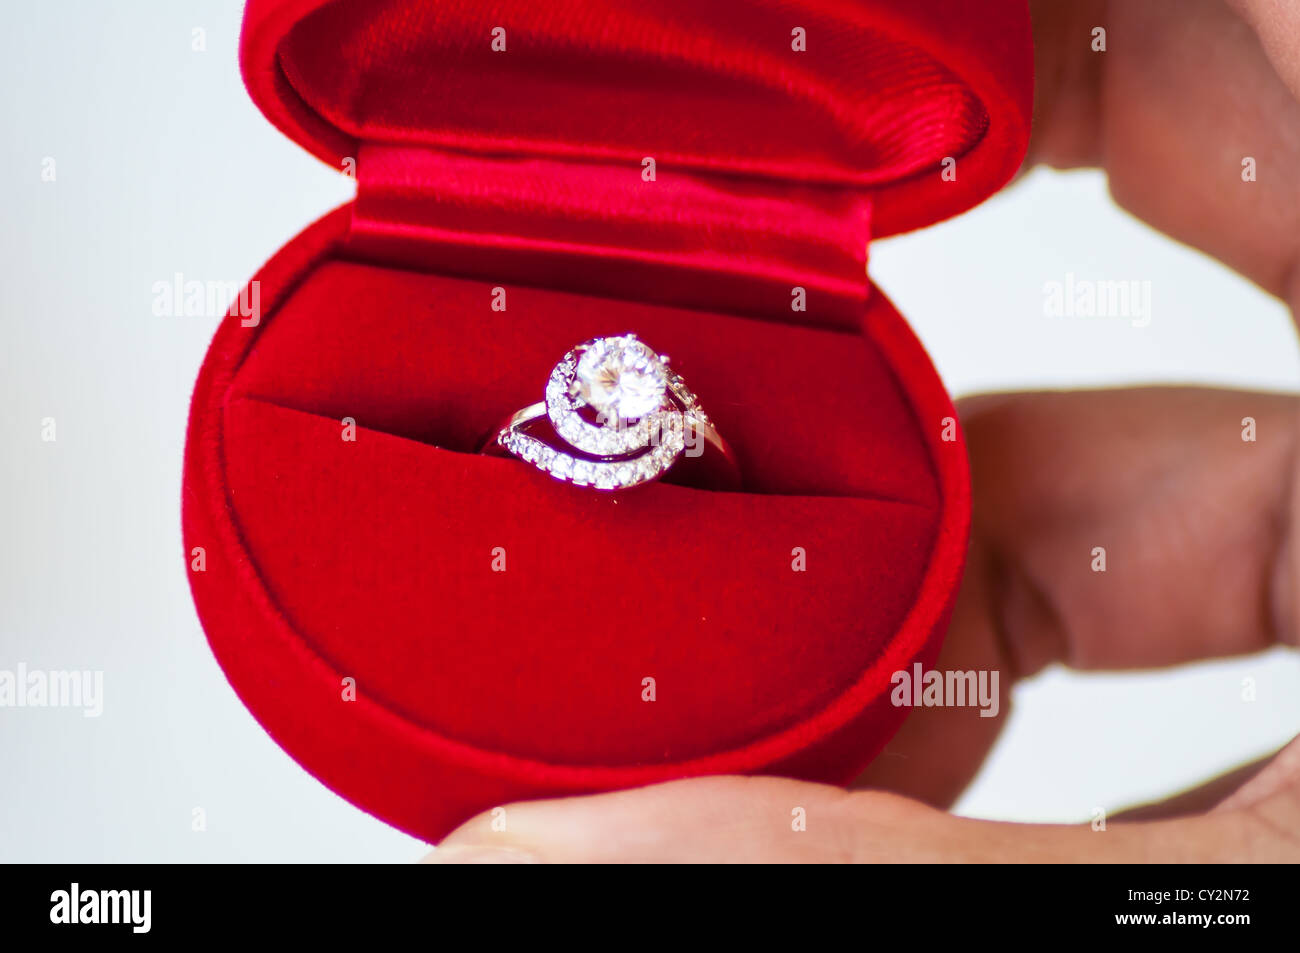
(1194, 526)
(747, 820)
(1181, 97)
(772, 820)
(1135, 528)
(1277, 24)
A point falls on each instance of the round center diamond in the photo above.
(621, 379)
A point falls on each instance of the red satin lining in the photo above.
(697, 240)
(708, 85)
(523, 165)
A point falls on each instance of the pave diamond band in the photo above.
(616, 416)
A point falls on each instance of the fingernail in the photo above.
(455, 854)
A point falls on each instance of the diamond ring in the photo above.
(616, 416)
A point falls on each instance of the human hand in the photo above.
(1203, 522)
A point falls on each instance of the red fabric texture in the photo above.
(373, 559)
(886, 90)
(702, 241)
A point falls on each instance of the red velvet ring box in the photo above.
(432, 632)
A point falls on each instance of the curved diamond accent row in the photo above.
(602, 474)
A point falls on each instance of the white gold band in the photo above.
(620, 417)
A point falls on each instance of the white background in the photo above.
(164, 166)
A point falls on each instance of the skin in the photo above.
(1199, 525)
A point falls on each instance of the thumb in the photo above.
(775, 820)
